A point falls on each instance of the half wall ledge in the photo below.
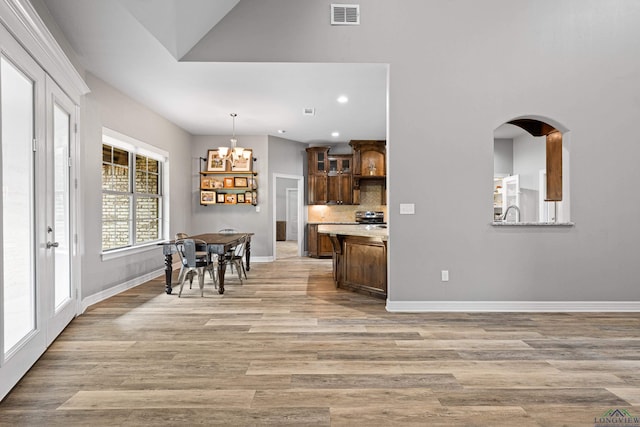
(533, 224)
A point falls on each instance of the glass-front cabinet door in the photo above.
(339, 164)
(318, 159)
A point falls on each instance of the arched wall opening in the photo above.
(531, 172)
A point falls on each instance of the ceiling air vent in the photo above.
(308, 111)
(345, 14)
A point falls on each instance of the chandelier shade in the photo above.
(234, 152)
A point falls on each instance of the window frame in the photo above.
(136, 148)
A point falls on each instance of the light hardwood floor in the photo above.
(287, 348)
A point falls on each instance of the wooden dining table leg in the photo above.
(247, 254)
(168, 270)
(222, 267)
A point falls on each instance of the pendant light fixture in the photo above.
(236, 152)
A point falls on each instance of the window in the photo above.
(132, 193)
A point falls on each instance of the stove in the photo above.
(370, 217)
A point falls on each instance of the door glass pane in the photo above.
(62, 132)
(17, 106)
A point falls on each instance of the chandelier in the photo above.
(235, 152)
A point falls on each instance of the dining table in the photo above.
(217, 244)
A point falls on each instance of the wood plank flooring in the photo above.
(287, 348)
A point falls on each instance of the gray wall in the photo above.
(459, 69)
(105, 106)
(211, 218)
(52, 26)
(286, 157)
(274, 155)
(108, 107)
(502, 157)
(529, 156)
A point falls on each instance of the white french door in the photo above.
(60, 141)
(37, 295)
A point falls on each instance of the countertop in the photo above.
(355, 230)
(332, 223)
(535, 224)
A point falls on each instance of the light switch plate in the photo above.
(407, 209)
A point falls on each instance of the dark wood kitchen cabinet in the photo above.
(369, 166)
(365, 265)
(318, 244)
(318, 164)
(360, 264)
(317, 189)
(318, 160)
(329, 177)
(339, 180)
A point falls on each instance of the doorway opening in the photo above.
(288, 233)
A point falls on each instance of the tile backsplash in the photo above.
(370, 196)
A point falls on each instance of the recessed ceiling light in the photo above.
(335, 134)
(342, 99)
(281, 131)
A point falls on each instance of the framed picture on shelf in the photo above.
(243, 164)
(240, 181)
(206, 183)
(247, 197)
(252, 183)
(228, 182)
(215, 162)
(220, 197)
(207, 197)
(254, 197)
(217, 183)
(241, 198)
(230, 198)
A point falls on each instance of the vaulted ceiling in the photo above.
(137, 46)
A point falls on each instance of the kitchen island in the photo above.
(318, 244)
(359, 257)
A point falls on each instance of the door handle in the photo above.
(52, 245)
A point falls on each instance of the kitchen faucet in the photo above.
(506, 212)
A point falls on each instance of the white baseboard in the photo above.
(108, 293)
(512, 306)
(259, 259)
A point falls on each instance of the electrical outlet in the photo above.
(444, 275)
(407, 209)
